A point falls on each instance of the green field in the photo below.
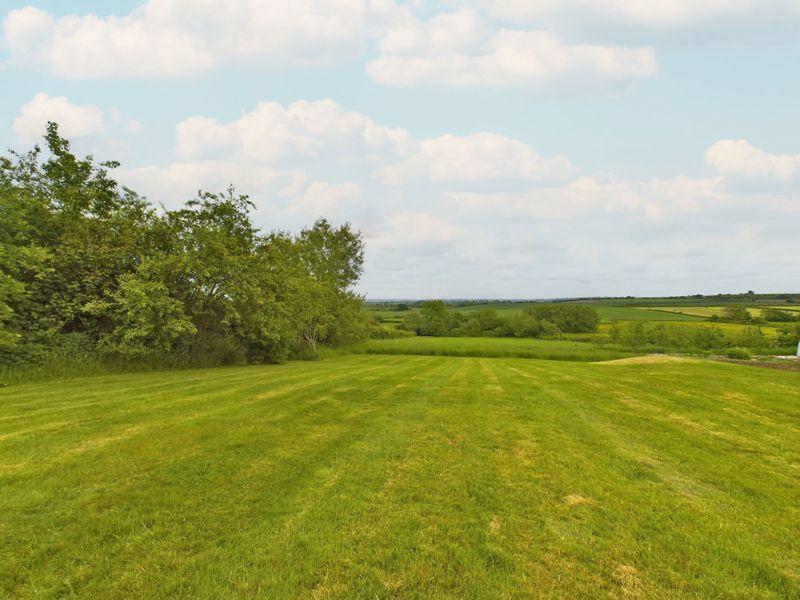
(405, 476)
(607, 313)
(492, 347)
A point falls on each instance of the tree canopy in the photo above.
(86, 262)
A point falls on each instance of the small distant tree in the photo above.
(635, 335)
(435, 318)
(615, 332)
(751, 337)
(708, 338)
(413, 322)
(737, 314)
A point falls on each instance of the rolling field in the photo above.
(607, 313)
(405, 476)
(492, 347)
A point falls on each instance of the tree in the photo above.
(81, 256)
(435, 318)
(332, 255)
(737, 314)
(149, 320)
(569, 318)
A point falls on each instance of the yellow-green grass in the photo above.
(728, 328)
(709, 311)
(398, 476)
(492, 347)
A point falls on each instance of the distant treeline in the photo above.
(558, 320)
(435, 318)
(658, 336)
(90, 268)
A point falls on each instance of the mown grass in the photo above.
(397, 476)
(492, 347)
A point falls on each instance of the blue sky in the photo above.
(485, 148)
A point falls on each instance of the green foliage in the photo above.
(569, 318)
(436, 318)
(775, 315)
(149, 320)
(737, 314)
(789, 335)
(751, 337)
(738, 353)
(657, 336)
(80, 255)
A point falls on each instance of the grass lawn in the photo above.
(405, 476)
(492, 347)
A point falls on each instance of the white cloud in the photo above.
(739, 158)
(184, 37)
(90, 46)
(587, 196)
(86, 124)
(322, 198)
(173, 184)
(301, 130)
(416, 233)
(446, 32)
(705, 20)
(475, 158)
(513, 58)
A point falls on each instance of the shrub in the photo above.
(738, 353)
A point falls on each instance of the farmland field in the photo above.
(405, 476)
(607, 313)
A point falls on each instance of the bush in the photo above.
(738, 353)
(568, 318)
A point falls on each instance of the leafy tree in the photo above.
(332, 255)
(569, 318)
(751, 337)
(737, 314)
(150, 321)
(435, 318)
(82, 256)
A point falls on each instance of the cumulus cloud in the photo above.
(184, 37)
(446, 32)
(740, 159)
(514, 58)
(80, 122)
(301, 130)
(178, 182)
(682, 20)
(475, 158)
(589, 196)
(417, 233)
(325, 199)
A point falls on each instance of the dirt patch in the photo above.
(783, 365)
(494, 525)
(627, 577)
(650, 359)
(576, 499)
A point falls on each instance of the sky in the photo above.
(484, 148)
